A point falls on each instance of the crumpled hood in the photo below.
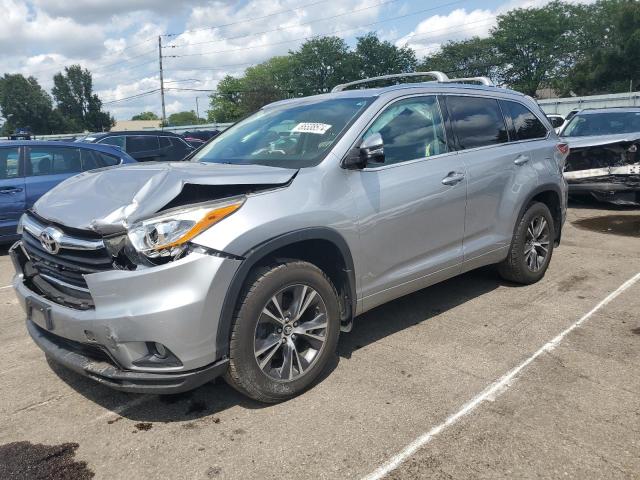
(107, 200)
(599, 140)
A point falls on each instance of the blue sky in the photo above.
(117, 39)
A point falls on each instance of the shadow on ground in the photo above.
(217, 396)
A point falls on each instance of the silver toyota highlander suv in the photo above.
(248, 261)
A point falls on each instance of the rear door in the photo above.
(499, 173)
(527, 129)
(12, 191)
(46, 167)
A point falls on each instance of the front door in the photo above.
(411, 206)
(12, 191)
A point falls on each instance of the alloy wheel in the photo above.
(536, 248)
(290, 332)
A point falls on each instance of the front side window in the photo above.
(410, 129)
(9, 163)
(142, 143)
(293, 135)
(117, 141)
(53, 161)
(526, 126)
(477, 121)
(602, 123)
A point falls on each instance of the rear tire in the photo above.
(279, 347)
(531, 247)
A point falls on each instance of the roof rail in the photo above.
(483, 80)
(439, 76)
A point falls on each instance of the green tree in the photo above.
(536, 46)
(261, 84)
(24, 103)
(467, 58)
(184, 118)
(320, 64)
(610, 64)
(373, 58)
(73, 93)
(145, 116)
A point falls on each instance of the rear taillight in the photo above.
(563, 148)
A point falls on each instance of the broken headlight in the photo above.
(168, 234)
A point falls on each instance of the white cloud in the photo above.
(459, 24)
(117, 39)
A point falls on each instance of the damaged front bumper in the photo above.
(617, 185)
(176, 305)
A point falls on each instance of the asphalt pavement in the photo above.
(408, 369)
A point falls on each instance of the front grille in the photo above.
(68, 266)
(60, 276)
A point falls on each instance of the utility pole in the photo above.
(164, 113)
(197, 110)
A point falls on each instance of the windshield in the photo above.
(606, 123)
(294, 135)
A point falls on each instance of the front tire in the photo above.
(284, 332)
(531, 247)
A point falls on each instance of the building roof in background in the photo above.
(124, 125)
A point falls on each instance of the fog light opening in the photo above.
(157, 356)
(160, 350)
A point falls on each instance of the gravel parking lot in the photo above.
(407, 368)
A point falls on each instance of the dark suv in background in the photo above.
(146, 146)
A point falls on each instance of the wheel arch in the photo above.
(318, 245)
(551, 195)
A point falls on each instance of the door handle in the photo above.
(453, 178)
(522, 159)
(9, 190)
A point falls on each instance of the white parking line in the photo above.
(5, 287)
(490, 392)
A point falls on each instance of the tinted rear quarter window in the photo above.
(94, 159)
(526, 126)
(142, 143)
(477, 121)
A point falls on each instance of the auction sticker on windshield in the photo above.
(306, 127)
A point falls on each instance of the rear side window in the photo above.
(142, 143)
(53, 161)
(477, 121)
(106, 160)
(526, 126)
(117, 141)
(9, 163)
(94, 159)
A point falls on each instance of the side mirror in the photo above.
(371, 149)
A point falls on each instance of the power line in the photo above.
(132, 97)
(324, 34)
(251, 19)
(99, 67)
(279, 29)
(461, 26)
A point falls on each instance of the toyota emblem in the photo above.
(49, 239)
